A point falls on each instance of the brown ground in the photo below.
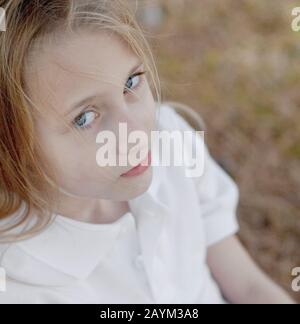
(238, 64)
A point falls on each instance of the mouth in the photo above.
(139, 169)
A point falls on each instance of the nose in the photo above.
(131, 122)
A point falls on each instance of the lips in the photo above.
(139, 169)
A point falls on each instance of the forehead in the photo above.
(74, 63)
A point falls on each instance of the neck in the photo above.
(98, 211)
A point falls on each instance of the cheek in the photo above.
(151, 109)
(78, 163)
(145, 112)
(64, 159)
(80, 166)
(72, 160)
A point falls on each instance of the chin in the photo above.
(136, 186)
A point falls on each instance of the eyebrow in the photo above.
(91, 97)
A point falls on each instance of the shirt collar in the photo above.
(68, 250)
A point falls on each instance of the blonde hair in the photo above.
(24, 184)
(22, 175)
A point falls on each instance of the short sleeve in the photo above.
(218, 194)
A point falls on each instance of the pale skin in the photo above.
(72, 68)
(83, 64)
(240, 279)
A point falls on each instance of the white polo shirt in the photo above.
(156, 253)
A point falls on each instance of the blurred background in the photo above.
(237, 63)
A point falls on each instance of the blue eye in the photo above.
(134, 82)
(85, 120)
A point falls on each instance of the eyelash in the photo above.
(85, 112)
(141, 81)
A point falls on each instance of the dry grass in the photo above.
(238, 64)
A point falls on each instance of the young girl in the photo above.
(74, 232)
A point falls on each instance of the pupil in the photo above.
(130, 80)
(82, 120)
